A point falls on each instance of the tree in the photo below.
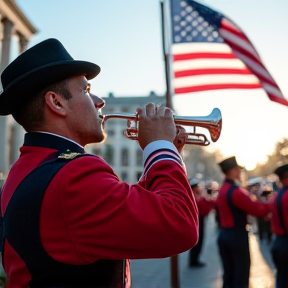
(277, 158)
(200, 162)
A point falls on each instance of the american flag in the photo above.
(211, 52)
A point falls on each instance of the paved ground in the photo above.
(155, 273)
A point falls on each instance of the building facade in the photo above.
(123, 154)
(14, 27)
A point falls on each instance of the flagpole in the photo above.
(174, 279)
(166, 55)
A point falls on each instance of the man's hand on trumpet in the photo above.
(155, 123)
(180, 139)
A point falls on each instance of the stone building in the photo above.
(123, 154)
(14, 28)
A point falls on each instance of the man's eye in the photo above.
(87, 91)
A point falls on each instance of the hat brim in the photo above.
(265, 193)
(22, 88)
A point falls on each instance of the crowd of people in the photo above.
(258, 208)
(66, 213)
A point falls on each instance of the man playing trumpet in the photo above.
(66, 213)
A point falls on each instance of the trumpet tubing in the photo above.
(212, 122)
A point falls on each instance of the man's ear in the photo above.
(55, 103)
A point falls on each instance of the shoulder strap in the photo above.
(229, 195)
(280, 208)
(238, 215)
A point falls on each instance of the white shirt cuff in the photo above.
(156, 145)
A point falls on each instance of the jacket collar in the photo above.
(53, 141)
(230, 181)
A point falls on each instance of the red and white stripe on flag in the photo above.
(209, 66)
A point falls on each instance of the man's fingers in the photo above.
(180, 129)
(168, 112)
(155, 123)
(150, 109)
(160, 110)
(140, 111)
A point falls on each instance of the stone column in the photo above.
(23, 43)
(6, 43)
(5, 56)
(18, 131)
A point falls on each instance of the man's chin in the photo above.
(97, 140)
(104, 136)
(101, 138)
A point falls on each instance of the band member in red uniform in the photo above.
(264, 223)
(205, 205)
(279, 224)
(234, 204)
(68, 220)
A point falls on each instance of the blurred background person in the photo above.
(263, 223)
(279, 223)
(254, 188)
(205, 204)
(209, 187)
(212, 188)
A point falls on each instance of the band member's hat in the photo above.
(255, 181)
(209, 185)
(266, 190)
(193, 182)
(228, 164)
(38, 67)
(266, 193)
(281, 170)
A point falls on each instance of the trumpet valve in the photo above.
(132, 130)
(197, 139)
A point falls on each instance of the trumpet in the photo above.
(212, 122)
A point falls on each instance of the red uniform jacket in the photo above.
(276, 224)
(242, 200)
(88, 214)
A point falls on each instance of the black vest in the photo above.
(279, 199)
(21, 230)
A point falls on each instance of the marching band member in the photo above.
(254, 189)
(264, 223)
(205, 205)
(68, 220)
(279, 222)
(234, 204)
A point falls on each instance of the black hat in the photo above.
(281, 170)
(266, 190)
(228, 164)
(193, 182)
(38, 67)
(266, 193)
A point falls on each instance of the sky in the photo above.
(124, 39)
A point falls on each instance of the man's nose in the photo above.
(98, 102)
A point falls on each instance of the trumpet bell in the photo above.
(212, 122)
